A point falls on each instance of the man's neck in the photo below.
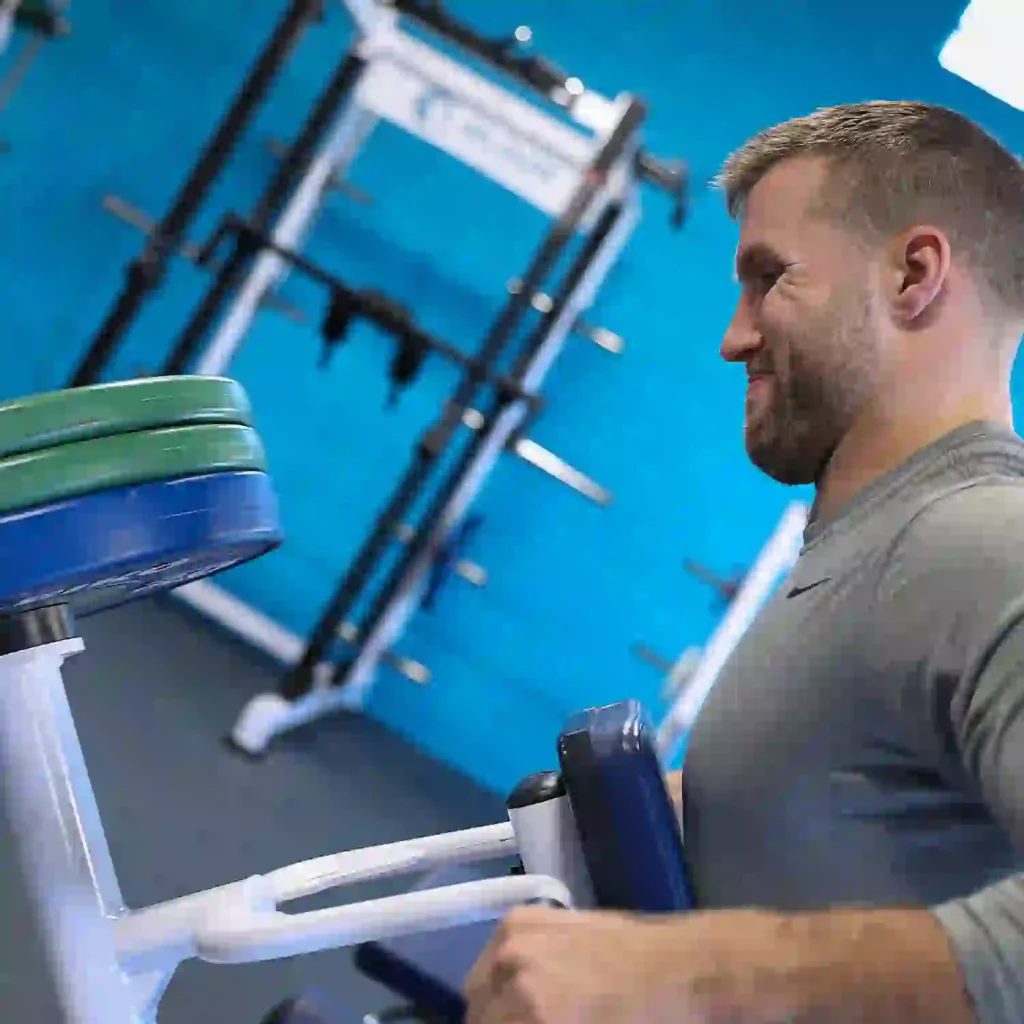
(877, 445)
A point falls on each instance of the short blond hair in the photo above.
(892, 164)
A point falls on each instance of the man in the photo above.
(854, 786)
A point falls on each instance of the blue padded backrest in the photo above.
(627, 822)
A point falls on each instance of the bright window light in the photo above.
(986, 49)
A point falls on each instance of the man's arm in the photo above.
(834, 967)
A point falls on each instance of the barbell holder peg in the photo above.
(547, 462)
(412, 670)
(195, 254)
(474, 574)
(335, 183)
(600, 336)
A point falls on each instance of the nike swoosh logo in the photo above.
(797, 591)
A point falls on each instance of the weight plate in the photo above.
(81, 414)
(50, 474)
(102, 550)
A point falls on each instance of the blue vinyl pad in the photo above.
(631, 837)
(114, 546)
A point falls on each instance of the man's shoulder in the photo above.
(956, 568)
(981, 519)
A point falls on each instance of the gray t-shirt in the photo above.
(865, 743)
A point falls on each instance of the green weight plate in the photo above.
(70, 470)
(80, 414)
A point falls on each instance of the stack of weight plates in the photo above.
(115, 492)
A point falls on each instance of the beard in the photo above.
(821, 375)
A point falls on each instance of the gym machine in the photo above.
(95, 512)
(570, 152)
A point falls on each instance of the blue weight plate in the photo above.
(107, 548)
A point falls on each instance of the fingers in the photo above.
(492, 985)
(500, 987)
(490, 982)
(510, 993)
(506, 943)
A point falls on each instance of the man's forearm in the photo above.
(840, 967)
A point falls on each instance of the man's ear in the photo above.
(920, 261)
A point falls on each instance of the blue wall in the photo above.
(124, 104)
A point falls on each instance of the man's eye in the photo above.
(768, 279)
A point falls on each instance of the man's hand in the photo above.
(737, 966)
(548, 966)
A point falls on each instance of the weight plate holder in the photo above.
(104, 549)
(83, 414)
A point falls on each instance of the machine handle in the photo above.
(151, 936)
(237, 933)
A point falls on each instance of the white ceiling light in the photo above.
(985, 50)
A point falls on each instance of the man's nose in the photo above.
(742, 340)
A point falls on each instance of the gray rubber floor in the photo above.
(153, 694)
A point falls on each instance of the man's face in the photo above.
(805, 326)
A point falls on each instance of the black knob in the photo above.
(536, 789)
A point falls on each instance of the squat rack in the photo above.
(582, 166)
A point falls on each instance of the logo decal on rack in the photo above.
(441, 112)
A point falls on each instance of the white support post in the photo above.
(64, 852)
(549, 844)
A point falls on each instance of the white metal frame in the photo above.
(111, 965)
(519, 145)
(430, 95)
(269, 714)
